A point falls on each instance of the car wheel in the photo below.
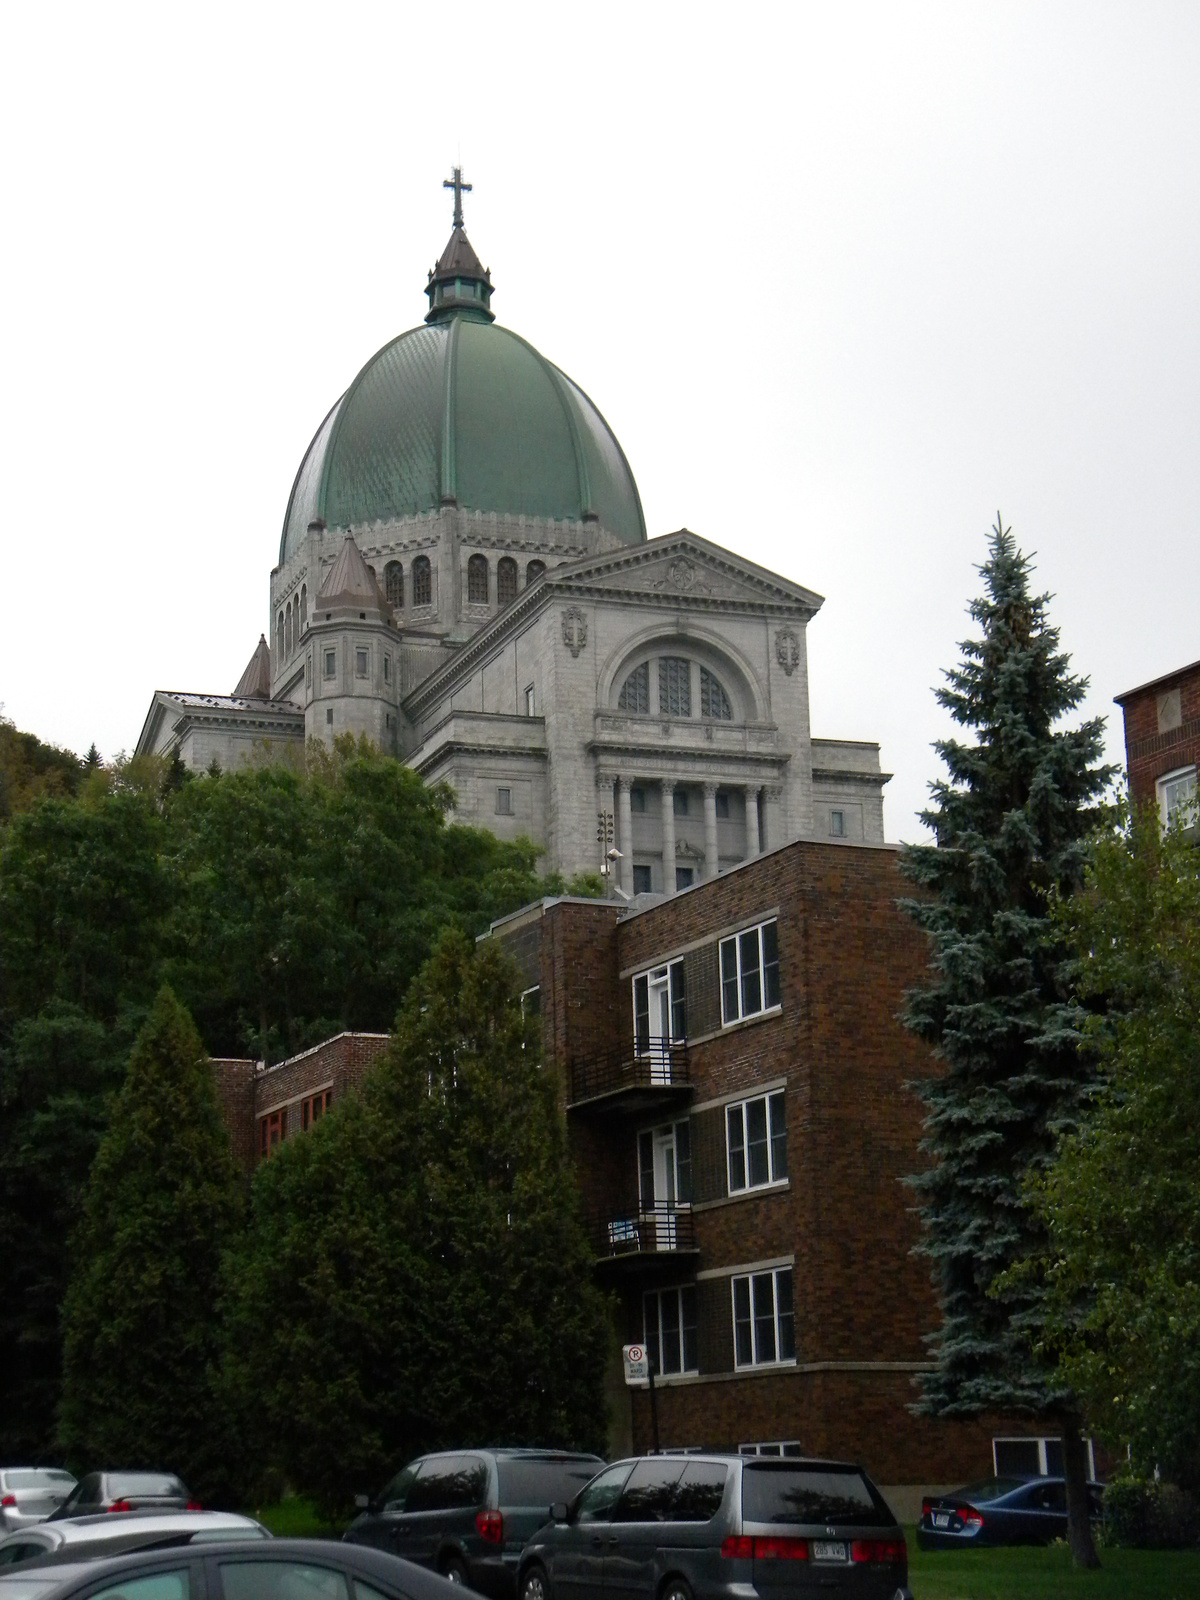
(453, 1569)
(535, 1585)
(675, 1589)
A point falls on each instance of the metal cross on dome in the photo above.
(458, 186)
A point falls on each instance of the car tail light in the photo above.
(120, 1505)
(9, 1500)
(879, 1550)
(491, 1526)
(194, 1505)
(971, 1518)
(926, 1508)
(742, 1547)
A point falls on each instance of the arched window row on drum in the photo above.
(422, 583)
(506, 580)
(477, 581)
(674, 674)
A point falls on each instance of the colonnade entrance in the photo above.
(667, 841)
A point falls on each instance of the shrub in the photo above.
(1148, 1514)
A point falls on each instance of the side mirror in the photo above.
(362, 1502)
(558, 1511)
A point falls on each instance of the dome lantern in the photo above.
(459, 285)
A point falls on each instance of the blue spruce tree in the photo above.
(1011, 821)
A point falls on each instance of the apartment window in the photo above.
(1036, 1456)
(331, 663)
(272, 1131)
(773, 1447)
(393, 577)
(641, 879)
(360, 663)
(314, 1107)
(637, 798)
(531, 1001)
(756, 1138)
(504, 803)
(477, 580)
(506, 580)
(422, 582)
(530, 702)
(675, 686)
(837, 824)
(764, 1326)
(1177, 798)
(750, 972)
(665, 1167)
(659, 1006)
(635, 691)
(669, 1323)
(722, 798)
(714, 702)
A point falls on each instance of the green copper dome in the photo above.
(463, 412)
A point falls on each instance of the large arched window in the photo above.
(675, 686)
(635, 691)
(477, 581)
(533, 571)
(506, 580)
(422, 581)
(714, 702)
(279, 636)
(287, 630)
(393, 576)
(303, 608)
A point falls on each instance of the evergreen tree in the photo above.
(141, 1336)
(1011, 821)
(415, 1275)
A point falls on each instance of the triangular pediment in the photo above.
(682, 569)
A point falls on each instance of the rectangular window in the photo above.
(670, 1330)
(641, 879)
(315, 1107)
(756, 1141)
(680, 802)
(329, 717)
(529, 702)
(331, 663)
(750, 972)
(637, 798)
(764, 1325)
(387, 669)
(722, 802)
(675, 686)
(774, 1447)
(272, 1131)
(665, 1165)
(360, 663)
(1177, 798)
(504, 802)
(837, 824)
(659, 1008)
(684, 877)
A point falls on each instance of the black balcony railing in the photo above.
(657, 1070)
(639, 1231)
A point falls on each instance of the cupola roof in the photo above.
(349, 585)
(255, 682)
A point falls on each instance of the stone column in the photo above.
(668, 834)
(625, 834)
(711, 858)
(752, 846)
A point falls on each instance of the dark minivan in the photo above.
(468, 1514)
(712, 1527)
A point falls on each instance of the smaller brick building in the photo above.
(1162, 743)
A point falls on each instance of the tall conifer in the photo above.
(1011, 822)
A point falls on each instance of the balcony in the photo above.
(618, 1080)
(636, 1239)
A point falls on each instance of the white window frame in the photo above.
(773, 1447)
(1041, 1440)
(751, 1279)
(670, 974)
(1188, 804)
(675, 1293)
(772, 1104)
(733, 950)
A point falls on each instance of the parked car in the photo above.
(127, 1491)
(30, 1494)
(720, 1527)
(106, 1534)
(1000, 1511)
(251, 1569)
(467, 1514)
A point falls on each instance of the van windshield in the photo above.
(823, 1494)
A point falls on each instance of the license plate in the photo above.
(828, 1550)
(941, 1519)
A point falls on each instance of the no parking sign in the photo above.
(637, 1363)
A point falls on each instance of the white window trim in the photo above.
(684, 1372)
(658, 971)
(748, 1278)
(736, 940)
(1041, 1440)
(1174, 777)
(772, 1182)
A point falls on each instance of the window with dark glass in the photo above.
(360, 663)
(642, 880)
(684, 877)
(750, 972)
(393, 577)
(272, 1130)
(714, 702)
(637, 798)
(597, 1501)
(783, 1494)
(303, 606)
(314, 1106)
(448, 1483)
(700, 1491)
(669, 1322)
(635, 691)
(837, 824)
(330, 663)
(422, 582)
(763, 1321)
(756, 1142)
(659, 1006)
(506, 580)
(504, 802)
(722, 801)
(675, 686)
(649, 1490)
(477, 580)
(534, 570)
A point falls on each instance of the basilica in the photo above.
(465, 577)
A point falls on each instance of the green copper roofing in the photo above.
(462, 411)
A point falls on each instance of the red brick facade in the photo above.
(1162, 730)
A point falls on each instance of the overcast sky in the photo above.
(844, 279)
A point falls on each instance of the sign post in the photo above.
(639, 1369)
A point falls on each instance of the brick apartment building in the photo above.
(1162, 742)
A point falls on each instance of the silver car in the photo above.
(110, 1533)
(30, 1494)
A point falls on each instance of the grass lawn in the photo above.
(295, 1518)
(1031, 1573)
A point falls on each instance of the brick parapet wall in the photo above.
(1148, 752)
(233, 1079)
(342, 1062)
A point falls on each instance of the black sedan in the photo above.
(1000, 1511)
(252, 1569)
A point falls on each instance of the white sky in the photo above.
(843, 278)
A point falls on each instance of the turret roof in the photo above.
(350, 583)
(255, 682)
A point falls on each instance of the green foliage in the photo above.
(1030, 1572)
(32, 771)
(415, 1275)
(1120, 1270)
(1011, 820)
(1150, 1514)
(163, 1202)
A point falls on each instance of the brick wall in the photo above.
(234, 1082)
(1151, 749)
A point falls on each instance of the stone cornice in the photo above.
(874, 780)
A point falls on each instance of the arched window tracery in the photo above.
(675, 686)
(506, 580)
(714, 702)
(422, 582)
(393, 577)
(635, 691)
(477, 581)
